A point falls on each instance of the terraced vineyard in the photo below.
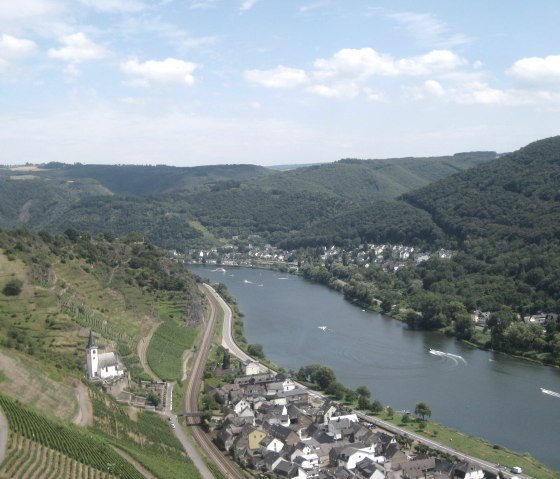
(166, 349)
(28, 459)
(74, 444)
(91, 319)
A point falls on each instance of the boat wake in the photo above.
(550, 393)
(454, 357)
(218, 270)
(282, 278)
(246, 281)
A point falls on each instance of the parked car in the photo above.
(516, 470)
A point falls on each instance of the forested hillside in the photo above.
(201, 206)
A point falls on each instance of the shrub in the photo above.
(13, 287)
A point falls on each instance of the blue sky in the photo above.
(192, 82)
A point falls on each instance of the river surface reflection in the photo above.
(491, 396)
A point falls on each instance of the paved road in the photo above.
(3, 436)
(227, 338)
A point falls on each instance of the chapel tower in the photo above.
(92, 357)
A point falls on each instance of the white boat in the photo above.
(550, 393)
(323, 328)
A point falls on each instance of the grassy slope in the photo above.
(44, 329)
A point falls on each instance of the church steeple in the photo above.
(92, 358)
(91, 341)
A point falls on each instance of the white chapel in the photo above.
(102, 366)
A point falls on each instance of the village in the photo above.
(276, 427)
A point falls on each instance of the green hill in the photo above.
(54, 290)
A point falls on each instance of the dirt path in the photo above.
(84, 416)
(3, 435)
(141, 469)
(141, 350)
(186, 357)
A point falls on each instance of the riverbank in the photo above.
(337, 285)
(473, 446)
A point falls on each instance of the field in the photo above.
(29, 459)
(169, 341)
(21, 378)
(144, 436)
(166, 349)
(74, 443)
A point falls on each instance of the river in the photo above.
(483, 394)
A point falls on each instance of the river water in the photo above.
(483, 394)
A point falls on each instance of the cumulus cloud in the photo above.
(361, 63)
(354, 63)
(26, 9)
(77, 48)
(12, 47)
(164, 72)
(537, 71)
(279, 77)
(342, 90)
(127, 6)
(480, 93)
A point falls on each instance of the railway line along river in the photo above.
(504, 400)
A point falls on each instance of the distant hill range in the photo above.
(182, 207)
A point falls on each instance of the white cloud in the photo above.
(358, 64)
(12, 47)
(537, 71)
(279, 77)
(25, 9)
(342, 90)
(435, 61)
(427, 29)
(247, 5)
(128, 6)
(77, 48)
(480, 93)
(164, 72)
(351, 63)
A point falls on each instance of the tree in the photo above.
(376, 407)
(153, 399)
(363, 391)
(227, 360)
(255, 350)
(350, 396)
(363, 403)
(423, 410)
(13, 287)
(390, 411)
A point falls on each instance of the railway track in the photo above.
(226, 467)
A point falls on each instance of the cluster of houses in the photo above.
(278, 429)
(481, 318)
(389, 257)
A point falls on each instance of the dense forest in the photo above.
(499, 214)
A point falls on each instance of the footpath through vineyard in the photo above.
(3, 435)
